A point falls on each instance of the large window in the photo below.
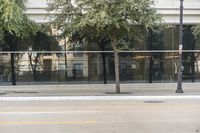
(159, 64)
(78, 70)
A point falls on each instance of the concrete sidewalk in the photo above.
(155, 89)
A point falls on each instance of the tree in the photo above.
(40, 42)
(14, 24)
(13, 19)
(155, 42)
(189, 58)
(90, 44)
(196, 32)
(113, 18)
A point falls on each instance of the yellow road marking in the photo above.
(48, 123)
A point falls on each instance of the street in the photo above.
(112, 116)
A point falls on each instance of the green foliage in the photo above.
(40, 41)
(13, 19)
(113, 18)
(1, 34)
(196, 30)
(43, 42)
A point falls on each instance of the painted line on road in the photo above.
(43, 112)
(47, 123)
(103, 98)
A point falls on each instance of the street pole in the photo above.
(180, 71)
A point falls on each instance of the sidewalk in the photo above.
(155, 89)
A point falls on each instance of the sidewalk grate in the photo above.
(153, 102)
(122, 93)
(3, 93)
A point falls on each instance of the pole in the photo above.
(180, 71)
(66, 72)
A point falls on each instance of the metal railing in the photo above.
(71, 67)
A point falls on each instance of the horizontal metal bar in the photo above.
(71, 52)
(53, 52)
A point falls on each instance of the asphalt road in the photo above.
(126, 116)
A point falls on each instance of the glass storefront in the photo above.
(134, 68)
(152, 60)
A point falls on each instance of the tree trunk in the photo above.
(89, 67)
(104, 68)
(161, 66)
(192, 64)
(35, 74)
(12, 56)
(101, 45)
(151, 57)
(13, 68)
(34, 67)
(66, 73)
(151, 69)
(197, 65)
(116, 60)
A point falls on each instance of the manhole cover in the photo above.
(117, 93)
(3, 93)
(24, 92)
(153, 101)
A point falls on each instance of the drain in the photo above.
(3, 93)
(153, 102)
(25, 92)
(118, 93)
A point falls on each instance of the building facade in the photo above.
(153, 60)
(36, 9)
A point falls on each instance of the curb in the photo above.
(100, 98)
